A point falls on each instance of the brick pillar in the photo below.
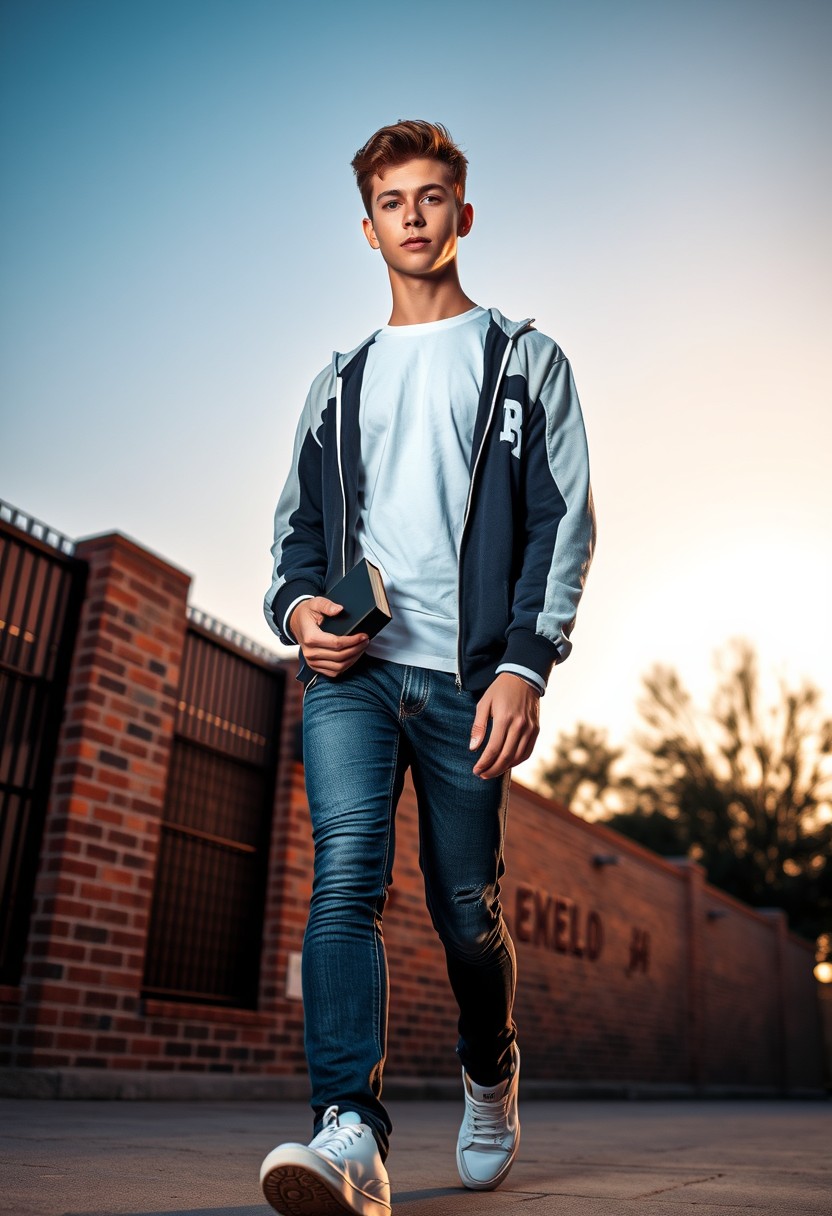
(824, 992)
(289, 890)
(85, 954)
(779, 927)
(694, 877)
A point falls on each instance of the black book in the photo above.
(365, 607)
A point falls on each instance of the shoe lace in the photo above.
(337, 1136)
(487, 1120)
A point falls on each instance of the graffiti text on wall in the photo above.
(553, 922)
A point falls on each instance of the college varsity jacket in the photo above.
(529, 526)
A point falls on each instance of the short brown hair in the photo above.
(406, 140)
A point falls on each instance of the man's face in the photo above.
(416, 222)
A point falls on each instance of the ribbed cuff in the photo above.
(525, 673)
(287, 614)
(286, 599)
(530, 651)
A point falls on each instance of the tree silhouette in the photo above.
(744, 788)
(580, 772)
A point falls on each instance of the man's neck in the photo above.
(417, 300)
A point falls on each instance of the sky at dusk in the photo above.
(181, 250)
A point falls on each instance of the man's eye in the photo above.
(431, 198)
(389, 205)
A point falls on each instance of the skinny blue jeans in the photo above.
(361, 732)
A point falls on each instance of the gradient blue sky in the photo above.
(181, 250)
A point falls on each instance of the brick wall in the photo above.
(85, 955)
(631, 969)
(80, 1004)
(623, 974)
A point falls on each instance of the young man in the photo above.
(449, 450)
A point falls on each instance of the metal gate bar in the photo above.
(41, 591)
(206, 924)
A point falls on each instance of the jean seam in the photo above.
(385, 866)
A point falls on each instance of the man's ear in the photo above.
(370, 233)
(466, 219)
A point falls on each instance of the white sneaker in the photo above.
(490, 1133)
(339, 1171)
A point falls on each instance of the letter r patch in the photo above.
(512, 431)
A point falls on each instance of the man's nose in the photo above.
(413, 217)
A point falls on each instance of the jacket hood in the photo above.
(510, 328)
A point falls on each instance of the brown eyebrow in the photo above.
(421, 190)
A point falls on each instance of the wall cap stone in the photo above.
(102, 541)
(597, 828)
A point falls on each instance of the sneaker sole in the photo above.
(293, 1189)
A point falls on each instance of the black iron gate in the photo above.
(207, 920)
(41, 591)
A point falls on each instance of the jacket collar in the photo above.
(510, 328)
(340, 361)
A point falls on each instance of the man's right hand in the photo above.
(326, 653)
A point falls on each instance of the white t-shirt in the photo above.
(419, 398)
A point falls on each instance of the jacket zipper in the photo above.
(338, 384)
(486, 431)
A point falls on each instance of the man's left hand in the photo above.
(513, 707)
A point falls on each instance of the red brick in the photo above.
(84, 975)
(146, 1047)
(106, 958)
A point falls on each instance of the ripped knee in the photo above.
(469, 923)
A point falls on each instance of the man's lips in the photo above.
(415, 242)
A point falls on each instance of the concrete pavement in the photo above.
(577, 1158)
